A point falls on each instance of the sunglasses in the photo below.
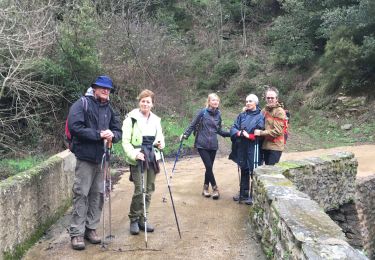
(270, 97)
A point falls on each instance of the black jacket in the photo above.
(207, 124)
(85, 125)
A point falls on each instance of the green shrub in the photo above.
(251, 68)
(341, 64)
(294, 99)
(226, 68)
(222, 72)
(212, 83)
(282, 80)
(238, 91)
(203, 62)
(183, 20)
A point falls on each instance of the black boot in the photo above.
(248, 201)
(241, 197)
(244, 186)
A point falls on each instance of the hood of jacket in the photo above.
(253, 112)
(271, 107)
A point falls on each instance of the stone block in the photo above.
(292, 224)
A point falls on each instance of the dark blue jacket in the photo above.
(207, 124)
(242, 147)
(85, 126)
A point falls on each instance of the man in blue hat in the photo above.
(91, 120)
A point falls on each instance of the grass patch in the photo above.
(319, 130)
(10, 167)
(173, 129)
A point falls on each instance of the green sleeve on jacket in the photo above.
(131, 138)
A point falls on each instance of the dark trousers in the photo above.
(208, 158)
(245, 183)
(271, 157)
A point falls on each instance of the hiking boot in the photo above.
(205, 191)
(248, 201)
(245, 196)
(92, 237)
(215, 192)
(237, 197)
(78, 243)
(141, 226)
(134, 228)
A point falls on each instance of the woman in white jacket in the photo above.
(142, 138)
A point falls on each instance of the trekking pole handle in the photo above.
(109, 144)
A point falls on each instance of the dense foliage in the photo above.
(50, 52)
(340, 33)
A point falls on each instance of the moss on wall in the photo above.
(28, 175)
(21, 249)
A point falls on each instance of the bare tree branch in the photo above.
(27, 30)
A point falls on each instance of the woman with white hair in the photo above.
(245, 148)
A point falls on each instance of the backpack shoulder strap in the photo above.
(203, 112)
(132, 129)
(84, 103)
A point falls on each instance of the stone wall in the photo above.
(328, 180)
(293, 226)
(32, 200)
(346, 216)
(365, 203)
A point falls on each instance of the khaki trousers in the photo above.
(87, 198)
(136, 206)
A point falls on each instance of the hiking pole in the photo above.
(144, 199)
(177, 156)
(174, 166)
(239, 181)
(256, 162)
(170, 193)
(239, 176)
(103, 168)
(109, 187)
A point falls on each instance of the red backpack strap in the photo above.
(67, 132)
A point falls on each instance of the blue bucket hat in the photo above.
(103, 81)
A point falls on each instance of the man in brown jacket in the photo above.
(274, 139)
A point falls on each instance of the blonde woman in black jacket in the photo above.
(207, 125)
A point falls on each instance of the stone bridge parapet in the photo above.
(290, 202)
(365, 203)
(33, 200)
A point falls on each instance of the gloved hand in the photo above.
(252, 137)
(183, 137)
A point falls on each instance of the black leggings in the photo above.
(208, 158)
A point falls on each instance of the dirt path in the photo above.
(210, 229)
(365, 155)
